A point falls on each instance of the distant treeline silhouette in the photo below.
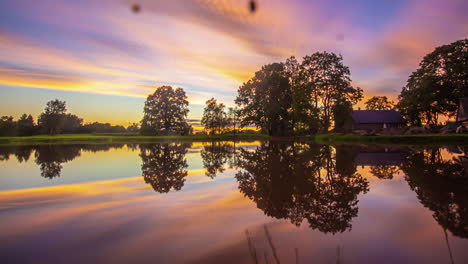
(282, 99)
(55, 120)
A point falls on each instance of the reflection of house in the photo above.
(462, 114)
(376, 120)
(379, 159)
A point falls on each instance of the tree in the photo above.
(165, 112)
(379, 103)
(26, 126)
(233, 119)
(7, 126)
(71, 123)
(328, 81)
(134, 127)
(435, 88)
(265, 101)
(214, 118)
(52, 119)
(305, 112)
(342, 113)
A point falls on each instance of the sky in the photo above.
(103, 59)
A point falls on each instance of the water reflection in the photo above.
(442, 186)
(215, 156)
(164, 165)
(301, 182)
(51, 157)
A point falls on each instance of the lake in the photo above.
(233, 202)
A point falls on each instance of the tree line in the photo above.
(283, 99)
(55, 120)
(315, 95)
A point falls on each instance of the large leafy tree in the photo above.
(214, 117)
(435, 88)
(165, 112)
(26, 126)
(304, 108)
(7, 126)
(379, 103)
(53, 117)
(324, 76)
(265, 100)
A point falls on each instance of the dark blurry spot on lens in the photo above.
(136, 8)
(253, 6)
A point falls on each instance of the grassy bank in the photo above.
(118, 138)
(393, 139)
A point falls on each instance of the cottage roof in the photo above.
(377, 116)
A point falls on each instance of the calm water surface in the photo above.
(226, 202)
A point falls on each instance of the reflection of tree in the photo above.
(164, 165)
(440, 186)
(22, 153)
(298, 182)
(384, 171)
(50, 158)
(215, 156)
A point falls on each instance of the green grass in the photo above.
(430, 139)
(393, 139)
(118, 138)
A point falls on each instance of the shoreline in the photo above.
(319, 139)
(110, 139)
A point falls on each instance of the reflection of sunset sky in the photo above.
(104, 59)
(121, 217)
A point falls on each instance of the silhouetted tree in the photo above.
(214, 117)
(53, 117)
(164, 165)
(342, 113)
(233, 118)
(97, 127)
(265, 100)
(437, 85)
(304, 109)
(71, 124)
(379, 103)
(324, 76)
(7, 126)
(165, 112)
(26, 125)
(134, 127)
(441, 186)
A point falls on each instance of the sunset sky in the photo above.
(104, 59)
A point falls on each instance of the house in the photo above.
(462, 114)
(376, 120)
